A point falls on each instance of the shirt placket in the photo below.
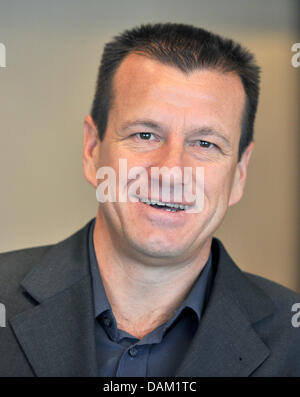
(133, 361)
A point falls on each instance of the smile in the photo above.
(171, 207)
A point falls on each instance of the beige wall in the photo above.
(262, 230)
(47, 88)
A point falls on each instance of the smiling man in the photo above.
(145, 289)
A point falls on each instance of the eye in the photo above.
(204, 144)
(145, 136)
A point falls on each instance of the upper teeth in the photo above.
(170, 205)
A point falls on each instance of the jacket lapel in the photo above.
(227, 343)
(57, 334)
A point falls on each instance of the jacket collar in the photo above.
(226, 343)
(57, 335)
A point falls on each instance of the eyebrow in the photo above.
(203, 131)
(144, 122)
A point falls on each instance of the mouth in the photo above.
(165, 206)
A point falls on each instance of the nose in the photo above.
(167, 169)
(171, 154)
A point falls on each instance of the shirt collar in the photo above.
(195, 299)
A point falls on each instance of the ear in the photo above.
(91, 150)
(240, 176)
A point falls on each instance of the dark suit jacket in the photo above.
(246, 329)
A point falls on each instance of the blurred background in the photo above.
(53, 50)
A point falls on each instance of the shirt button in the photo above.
(133, 351)
(107, 322)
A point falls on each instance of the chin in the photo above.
(158, 249)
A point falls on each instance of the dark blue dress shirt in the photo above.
(160, 352)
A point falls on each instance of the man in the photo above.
(145, 289)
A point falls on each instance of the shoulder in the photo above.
(278, 293)
(47, 267)
(15, 264)
(280, 331)
(247, 284)
(282, 327)
(286, 303)
(272, 308)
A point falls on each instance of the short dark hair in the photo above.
(186, 47)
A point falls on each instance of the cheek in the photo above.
(217, 184)
(108, 157)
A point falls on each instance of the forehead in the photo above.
(145, 85)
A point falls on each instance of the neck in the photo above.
(143, 294)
